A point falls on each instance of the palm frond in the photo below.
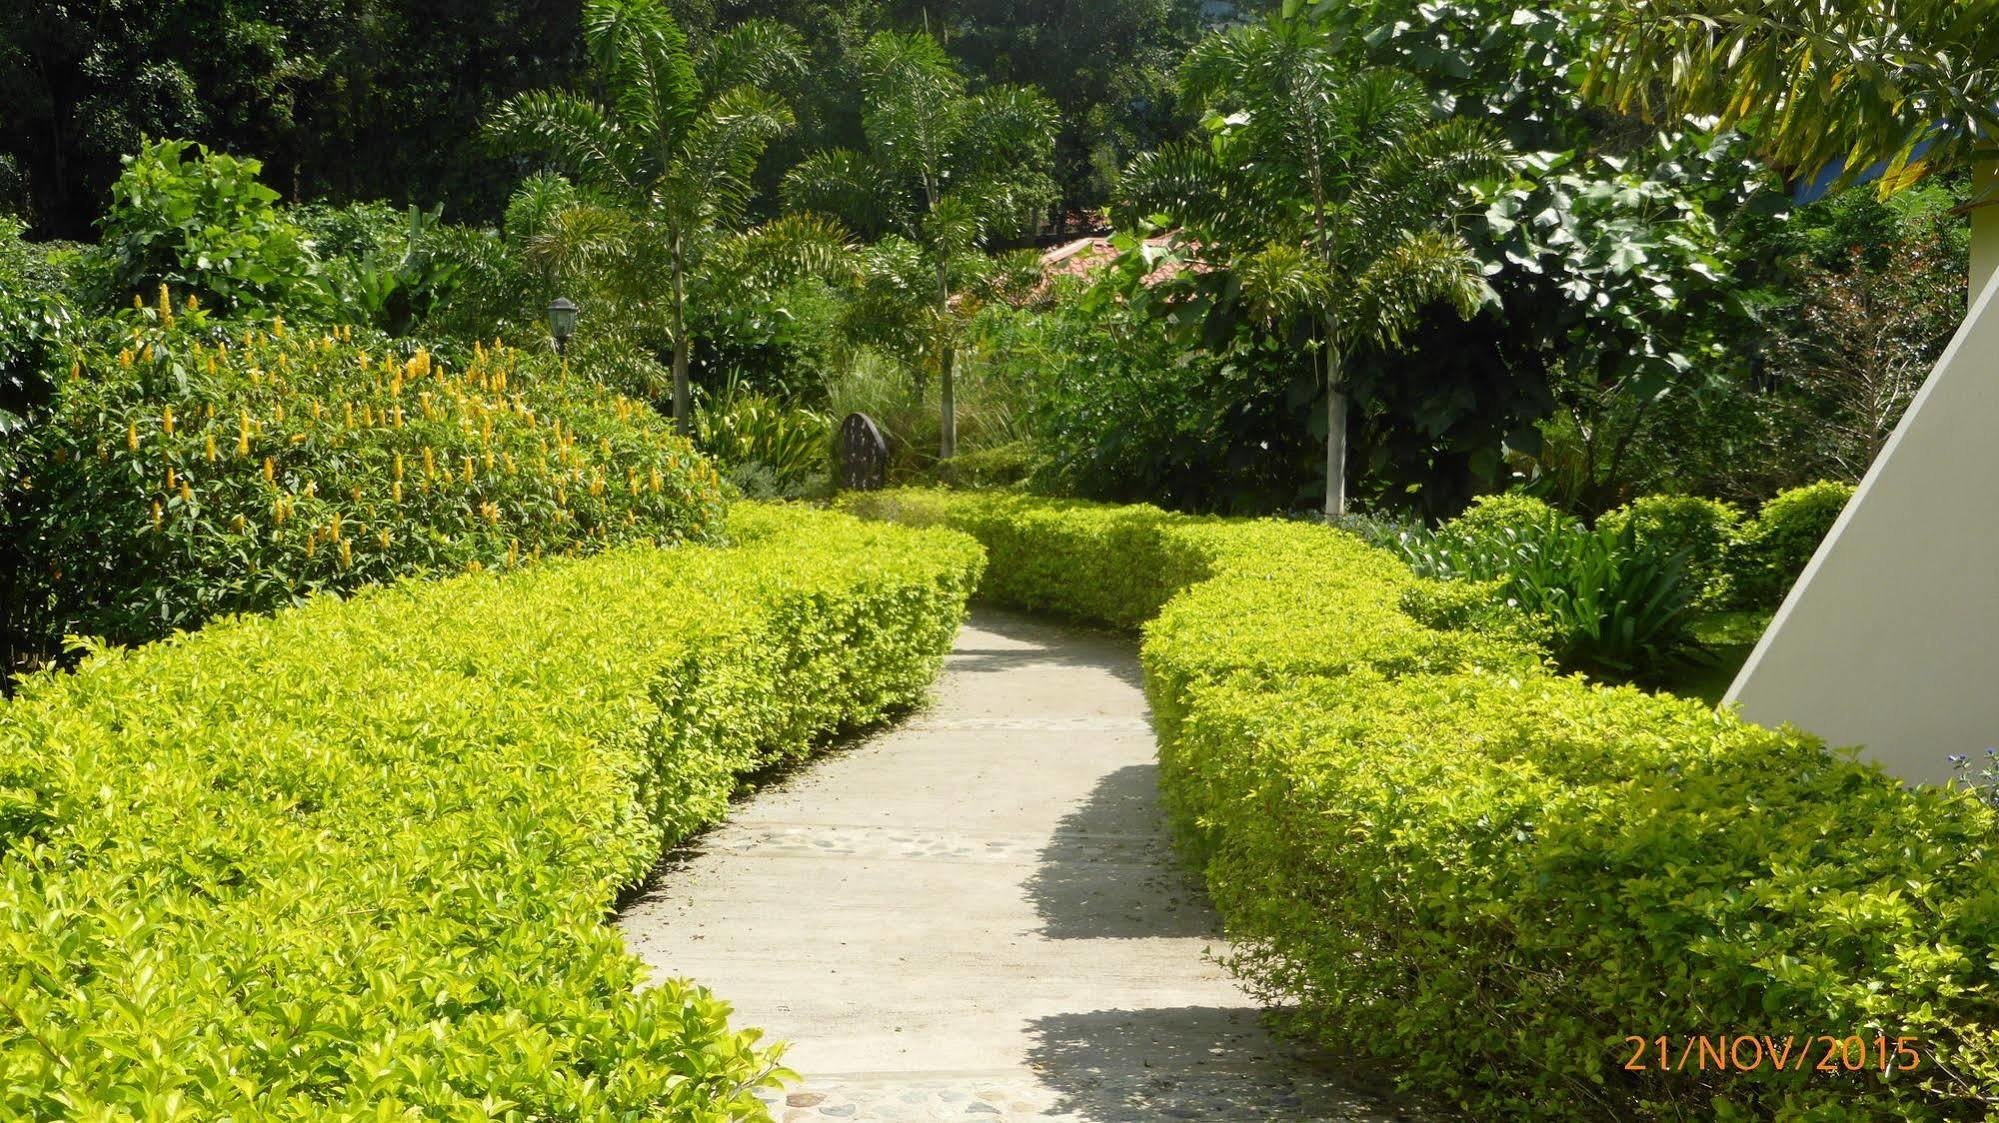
(721, 150)
(1282, 281)
(841, 182)
(1216, 200)
(1815, 83)
(575, 134)
(1422, 268)
(1428, 172)
(642, 58)
(758, 52)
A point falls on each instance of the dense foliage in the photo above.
(188, 471)
(1436, 854)
(354, 860)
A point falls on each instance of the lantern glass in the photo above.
(561, 318)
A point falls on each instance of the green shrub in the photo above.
(1607, 602)
(1493, 515)
(1002, 466)
(1432, 852)
(208, 225)
(354, 860)
(1779, 542)
(1698, 531)
(184, 474)
(791, 446)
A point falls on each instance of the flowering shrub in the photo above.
(189, 471)
(353, 861)
(1434, 852)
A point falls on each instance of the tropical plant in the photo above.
(1612, 603)
(1326, 193)
(943, 172)
(668, 150)
(747, 431)
(202, 222)
(1847, 85)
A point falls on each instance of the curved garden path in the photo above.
(976, 915)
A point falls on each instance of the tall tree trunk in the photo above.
(683, 394)
(1336, 433)
(947, 359)
(947, 439)
(683, 397)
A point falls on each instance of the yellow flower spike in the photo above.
(312, 544)
(333, 531)
(350, 415)
(311, 488)
(398, 466)
(208, 449)
(159, 516)
(270, 470)
(489, 461)
(211, 364)
(132, 436)
(186, 492)
(238, 524)
(138, 302)
(208, 412)
(125, 357)
(354, 493)
(656, 481)
(468, 469)
(396, 492)
(166, 306)
(632, 481)
(509, 458)
(278, 327)
(429, 463)
(173, 481)
(193, 303)
(383, 538)
(278, 412)
(167, 421)
(243, 435)
(513, 554)
(604, 446)
(75, 371)
(315, 409)
(399, 417)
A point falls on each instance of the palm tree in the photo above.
(1818, 84)
(943, 169)
(670, 145)
(1326, 192)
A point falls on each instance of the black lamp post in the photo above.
(561, 321)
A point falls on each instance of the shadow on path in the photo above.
(1109, 870)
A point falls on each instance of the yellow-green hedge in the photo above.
(354, 861)
(1439, 854)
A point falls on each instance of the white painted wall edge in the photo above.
(1890, 637)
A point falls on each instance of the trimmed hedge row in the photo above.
(1440, 854)
(354, 860)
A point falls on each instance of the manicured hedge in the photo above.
(354, 860)
(1439, 854)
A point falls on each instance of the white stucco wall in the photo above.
(1890, 639)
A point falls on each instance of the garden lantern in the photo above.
(561, 321)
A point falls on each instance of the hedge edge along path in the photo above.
(1440, 854)
(354, 861)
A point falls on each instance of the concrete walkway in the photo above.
(976, 915)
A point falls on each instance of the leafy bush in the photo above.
(1607, 602)
(1007, 465)
(793, 446)
(208, 225)
(1698, 531)
(186, 474)
(354, 860)
(1779, 542)
(1439, 855)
